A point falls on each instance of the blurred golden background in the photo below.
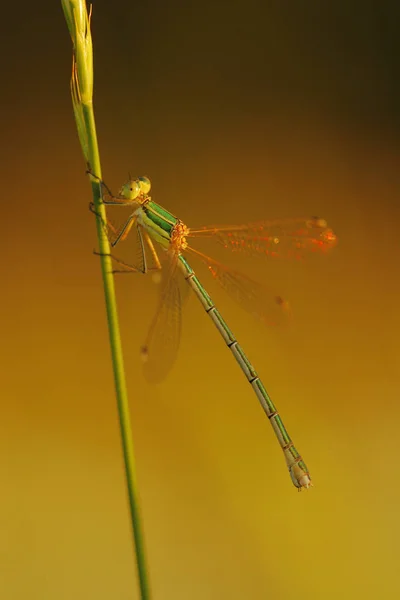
(237, 111)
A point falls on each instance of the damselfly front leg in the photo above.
(142, 238)
(122, 233)
(144, 244)
(102, 183)
(107, 226)
(128, 268)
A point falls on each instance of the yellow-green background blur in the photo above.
(237, 111)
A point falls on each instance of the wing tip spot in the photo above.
(144, 353)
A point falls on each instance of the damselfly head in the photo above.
(130, 190)
(136, 189)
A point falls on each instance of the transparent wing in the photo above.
(288, 238)
(160, 349)
(257, 299)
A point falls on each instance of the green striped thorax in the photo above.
(160, 224)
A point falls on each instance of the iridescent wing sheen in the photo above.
(286, 238)
(160, 349)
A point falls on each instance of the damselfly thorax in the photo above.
(162, 226)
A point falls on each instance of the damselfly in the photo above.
(155, 227)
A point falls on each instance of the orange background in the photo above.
(236, 113)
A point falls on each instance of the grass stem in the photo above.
(78, 22)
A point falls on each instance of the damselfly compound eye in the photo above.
(145, 184)
(130, 190)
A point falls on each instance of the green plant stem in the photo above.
(117, 357)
